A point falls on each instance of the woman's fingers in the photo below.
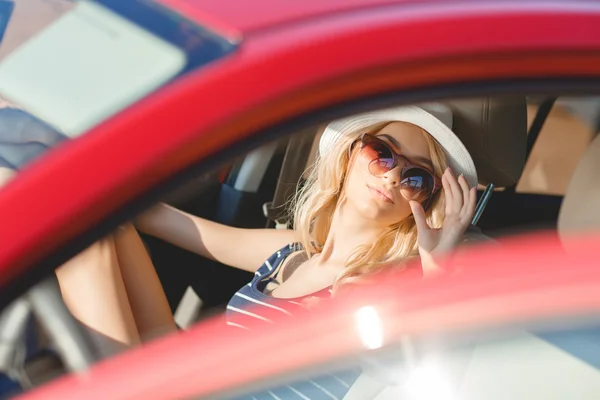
(472, 204)
(466, 206)
(464, 186)
(468, 210)
(420, 218)
(447, 194)
(457, 195)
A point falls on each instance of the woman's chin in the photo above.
(383, 213)
(374, 210)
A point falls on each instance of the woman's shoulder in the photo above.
(278, 257)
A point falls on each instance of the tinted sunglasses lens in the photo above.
(382, 159)
(416, 184)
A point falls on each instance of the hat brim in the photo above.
(458, 156)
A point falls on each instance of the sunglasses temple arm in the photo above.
(482, 203)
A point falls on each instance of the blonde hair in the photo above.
(316, 202)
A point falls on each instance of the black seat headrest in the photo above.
(494, 130)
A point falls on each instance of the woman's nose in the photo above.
(392, 177)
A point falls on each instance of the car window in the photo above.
(564, 137)
(556, 362)
(96, 58)
(99, 57)
(196, 287)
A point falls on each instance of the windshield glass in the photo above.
(74, 64)
(559, 361)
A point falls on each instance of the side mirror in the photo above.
(6, 9)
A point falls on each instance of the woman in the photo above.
(380, 192)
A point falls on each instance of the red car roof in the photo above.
(261, 14)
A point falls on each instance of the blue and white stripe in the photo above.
(250, 305)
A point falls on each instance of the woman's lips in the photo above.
(382, 194)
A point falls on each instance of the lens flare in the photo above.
(369, 327)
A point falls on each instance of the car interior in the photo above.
(552, 360)
(555, 362)
(525, 150)
(500, 133)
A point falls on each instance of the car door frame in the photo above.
(96, 192)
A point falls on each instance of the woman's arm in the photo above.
(241, 248)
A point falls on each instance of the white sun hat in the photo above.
(435, 119)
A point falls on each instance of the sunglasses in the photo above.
(416, 182)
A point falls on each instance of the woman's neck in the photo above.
(348, 231)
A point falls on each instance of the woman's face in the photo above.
(379, 198)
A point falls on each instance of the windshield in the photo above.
(74, 64)
(559, 361)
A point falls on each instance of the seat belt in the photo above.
(292, 168)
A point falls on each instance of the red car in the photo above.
(114, 105)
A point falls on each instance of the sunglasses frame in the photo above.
(367, 138)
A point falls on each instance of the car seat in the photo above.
(580, 209)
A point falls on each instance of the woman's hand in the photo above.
(460, 208)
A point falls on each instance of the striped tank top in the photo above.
(250, 300)
(245, 307)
